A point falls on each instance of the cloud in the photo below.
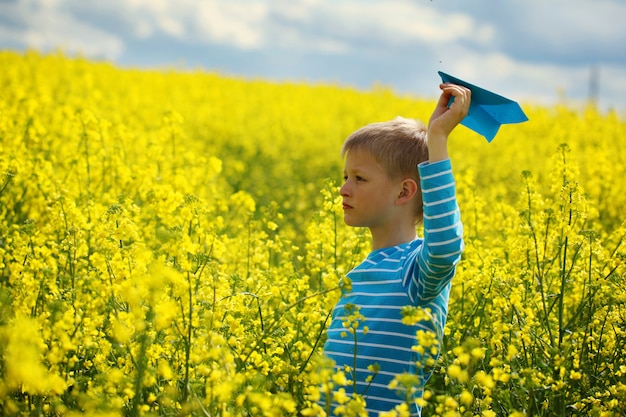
(568, 31)
(44, 25)
(246, 24)
(238, 24)
(526, 81)
(534, 48)
(368, 25)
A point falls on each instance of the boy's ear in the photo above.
(407, 191)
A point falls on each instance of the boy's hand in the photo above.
(444, 119)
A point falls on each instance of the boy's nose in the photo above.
(343, 191)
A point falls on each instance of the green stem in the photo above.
(270, 327)
(317, 340)
(562, 294)
(140, 366)
(185, 387)
(539, 273)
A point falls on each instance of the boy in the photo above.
(383, 192)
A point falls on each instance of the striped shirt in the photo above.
(418, 274)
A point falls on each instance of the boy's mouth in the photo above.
(346, 206)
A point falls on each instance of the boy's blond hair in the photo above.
(398, 145)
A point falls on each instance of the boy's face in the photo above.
(368, 192)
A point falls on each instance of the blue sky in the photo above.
(535, 51)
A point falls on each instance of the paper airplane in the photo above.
(487, 111)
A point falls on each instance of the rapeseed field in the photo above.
(171, 243)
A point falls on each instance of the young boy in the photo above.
(384, 192)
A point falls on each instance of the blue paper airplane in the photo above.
(487, 110)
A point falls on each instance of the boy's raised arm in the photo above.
(444, 119)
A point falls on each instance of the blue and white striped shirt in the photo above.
(417, 273)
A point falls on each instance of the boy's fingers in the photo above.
(462, 96)
(447, 115)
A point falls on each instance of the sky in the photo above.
(534, 51)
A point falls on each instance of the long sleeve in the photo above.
(443, 233)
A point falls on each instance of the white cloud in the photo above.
(234, 23)
(414, 21)
(561, 21)
(240, 24)
(528, 48)
(393, 22)
(42, 25)
(538, 83)
(76, 38)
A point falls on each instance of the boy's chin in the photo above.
(351, 222)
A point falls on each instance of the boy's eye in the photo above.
(356, 177)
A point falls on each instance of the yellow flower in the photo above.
(484, 380)
(22, 359)
(466, 398)
(340, 396)
(575, 375)
(457, 373)
(339, 378)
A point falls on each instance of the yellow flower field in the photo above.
(171, 243)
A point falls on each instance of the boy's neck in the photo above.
(389, 238)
